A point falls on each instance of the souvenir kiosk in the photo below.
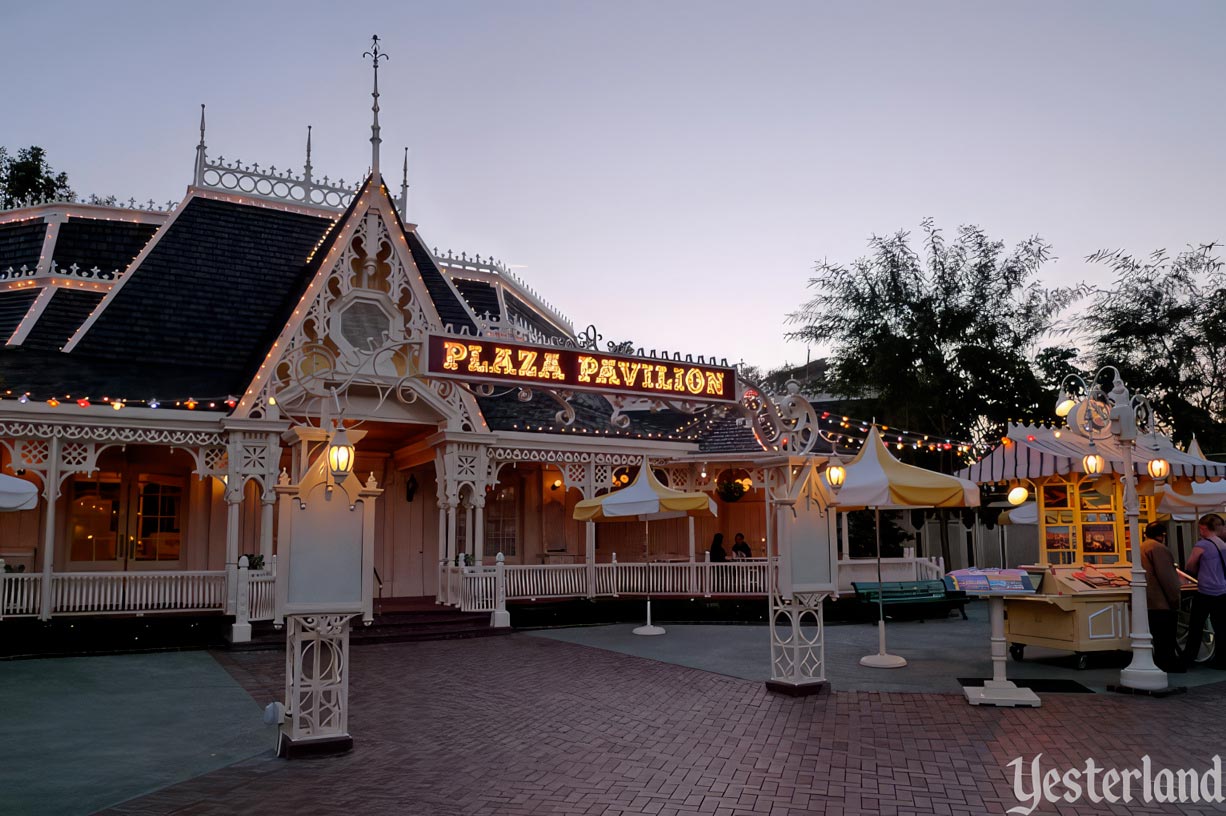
(1083, 589)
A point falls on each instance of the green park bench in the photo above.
(919, 596)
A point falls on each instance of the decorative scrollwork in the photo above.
(589, 338)
(99, 433)
(787, 424)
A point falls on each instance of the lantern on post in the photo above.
(340, 455)
(1159, 469)
(836, 474)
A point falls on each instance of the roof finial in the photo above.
(306, 171)
(198, 178)
(375, 55)
(404, 188)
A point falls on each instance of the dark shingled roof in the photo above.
(592, 412)
(210, 292)
(446, 301)
(20, 243)
(13, 307)
(481, 297)
(108, 245)
(193, 319)
(61, 318)
(728, 435)
(522, 311)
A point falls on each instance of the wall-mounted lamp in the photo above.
(340, 455)
(1018, 495)
(556, 484)
(410, 488)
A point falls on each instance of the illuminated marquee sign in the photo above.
(579, 369)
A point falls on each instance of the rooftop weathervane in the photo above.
(375, 55)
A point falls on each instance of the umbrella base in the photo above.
(649, 630)
(883, 660)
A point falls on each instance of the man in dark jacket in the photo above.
(1161, 595)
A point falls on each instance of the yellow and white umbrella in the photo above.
(644, 499)
(876, 480)
(17, 494)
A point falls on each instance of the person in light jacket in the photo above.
(1162, 596)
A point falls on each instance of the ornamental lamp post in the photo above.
(1100, 415)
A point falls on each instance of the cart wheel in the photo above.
(1083, 661)
(1017, 650)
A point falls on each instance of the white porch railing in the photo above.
(892, 569)
(91, 593)
(263, 596)
(20, 594)
(474, 589)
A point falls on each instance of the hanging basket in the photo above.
(730, 489)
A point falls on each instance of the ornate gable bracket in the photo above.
(360, 324)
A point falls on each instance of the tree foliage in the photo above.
(28, 177)
(1163, 324)
(942, 342)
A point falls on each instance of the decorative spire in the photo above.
(375, 55)
(404, 189)
(306, 171)
(198, 178)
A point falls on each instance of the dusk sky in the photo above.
(668, 171)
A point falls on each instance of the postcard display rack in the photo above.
(1081, 520)
(1078, 608)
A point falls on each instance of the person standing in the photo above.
(1162, 596)
(1208, 563)
(717, 549)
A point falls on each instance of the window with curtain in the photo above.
(502, 521)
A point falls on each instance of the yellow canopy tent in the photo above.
(875, 479)
(644, 499)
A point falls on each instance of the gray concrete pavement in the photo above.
(80, 733)
(938, 652)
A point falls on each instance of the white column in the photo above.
(476, 531)
(844, 538)
(590, 557)
(234, 498)
(51, 492)
(268, 502)
(451, 534)
(441, 594)
(468, 531)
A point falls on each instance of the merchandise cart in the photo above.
(1077, 608)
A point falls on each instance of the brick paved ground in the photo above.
(522, 725)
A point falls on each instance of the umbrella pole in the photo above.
(883, 659)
